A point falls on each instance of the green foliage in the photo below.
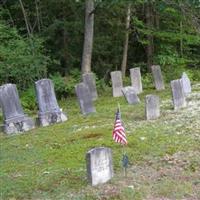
(64, 86)
(21, 59)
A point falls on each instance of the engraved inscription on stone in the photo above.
(117, 84)
(99, 165)
(158, 79)
(136, 81)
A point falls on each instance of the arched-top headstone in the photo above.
(84, 98)
(49, 111)
(15, 121)
(117, 83)
(179, 100)
(158, 79)
(89, 80)
(136, 80)
(186, 84)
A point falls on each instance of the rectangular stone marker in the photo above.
(136, 81)
(99, 165)
(152, 107)
(84, 98)
(117, 84)
(130, 95)
(178, 96)
(158, 79)
(186, 84)
(89, 80)
(15, 121)
(49, 111)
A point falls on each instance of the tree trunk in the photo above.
(125, 51)
(88, 36)
(150, 46)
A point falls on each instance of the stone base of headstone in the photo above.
(18, 125)
(48, 118)
(130, 95)
(152, 108)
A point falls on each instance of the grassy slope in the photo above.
(49, 162)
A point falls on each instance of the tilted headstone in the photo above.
(49, 111)
(152, 107)
(136, 81)
(117, 84)
(15, 121)
(178, 96)
(89, 80)
(130, 95)
(158, 79)
(84, 98)
(99, 165)
(186, 84)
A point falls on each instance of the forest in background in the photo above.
(44, 38)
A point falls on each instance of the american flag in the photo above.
(119, 135)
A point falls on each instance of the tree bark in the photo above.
(150, 46)
(125, 51)
(88, 36)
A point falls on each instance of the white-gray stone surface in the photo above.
(15, 121)
(130, 95)
(178, 96)
(89, 80)
(84, 98)
(157, 76)
(99, 165)
(152, 107)
(117, 83)
(187, 89)
(136, 80)
(49, 111)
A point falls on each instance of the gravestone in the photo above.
(49, 111)
(84, 98)
(117, 84)
(15, 121)
(152, 107)
(136, 81)
(99, 165)
(130, 95)
(158, 79)
(178, 96)
(89, 80)
(186, 84)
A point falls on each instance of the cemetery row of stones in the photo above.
(16, 121)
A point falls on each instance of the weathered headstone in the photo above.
(158, 79)
(49, 111)
(179, 100)
(130, 95)
(15, 121)
(84, 98)
(99, 165)
(136, 81)
(117, 84)
(152, 107)
(186, 84)
(89, 80)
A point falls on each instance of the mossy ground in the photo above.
(164, 154)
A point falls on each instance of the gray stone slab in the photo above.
(15, 121)
(84, 98)
(178, 96)
(130, 95)
(49, 111)
(136, 80)
(158, 79)
(89, 80)
(186, 84)
(99, 165)
(152, 107)
(117, 83)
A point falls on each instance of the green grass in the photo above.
(49, 162)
